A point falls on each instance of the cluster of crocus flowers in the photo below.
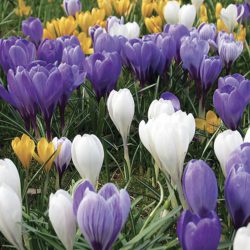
(22, 9)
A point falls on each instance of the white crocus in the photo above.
(242, 238)
(128, 30)
(10, 176)
(11, 215)
(121, 108)
(158, 107)
(225, 143)
(171, 12)
(230, 16)
(62, 217)
(88, 155)
(247, 136)
(197, 4)
(187, 15)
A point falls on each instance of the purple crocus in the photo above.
(95, 31)
(16, 52)
(199, 233)
(200, 187)
(173, 98)
(72, 6)
(246, 12)
(33, 28)
(69, 41)
(101, 216)
(63, 159)
(231, 98)
(207, 32)
(103, 70)
(237, 187)
(50, 51)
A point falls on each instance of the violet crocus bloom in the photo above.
(103, 70)
(33, 28)
(101, 216)
(173, 98)
(63, 159)
(237, 186)
(246, 12)
(196, 233)
(69, 41)
(207, 32)
(177, 31)
(50, 51)
(95, 31)
(200, 187)
(72, 6)
(16, 52)
(231, 98)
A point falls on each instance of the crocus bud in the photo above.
(63, 159)
(62, 217)
(72, 6)
(197, 4)
(171, 12)
(187, 15)
(158, 107)
(200, 187)
(33, 28)
(87, 155)
(10, 176)
(197, 233)
(121, 115)
(101, 216)
(173, 98)
(225, 143)
(242, 238)
(10, 215)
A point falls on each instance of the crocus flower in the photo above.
(207, 31)
(173, 98)
(87, 155)
(50, 51)
(196, 233)
(187, 15)
(237, 188)
(106, 5)
(147, 8)
(225, 143)
(246, 12)
(62, 217)
(122, 7)
(33, 28)
(121, 116)
(10, 176)
(242, 238)
(69, 41)
(200, 187)
(197, 4)
(113, 20)
(11, 216)
(64, 157)
(153, 24)
(101, 216)
(171, 12)
(158, 107)
(95, 31)
(24, 148)
(97, 66)
(231, 98)
(72, 6)
(16, 52)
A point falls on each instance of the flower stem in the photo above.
(127, 159)
(181, 195)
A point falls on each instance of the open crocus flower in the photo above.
(101, 216)
(24, 148)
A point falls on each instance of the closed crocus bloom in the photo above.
(207, 31)
(218, 8)
(106, 5)
(158, 107)
(101, 216)
(242, 238)
(107, 43)
(171, 12)
(225, 143)
(62, 217)
(203, 13)
(147, 8)
(122, 7)
(33, 28)
(86, 42)
(112, 20)
(87, 155)
(196, 233)
(96, 67)
(64, 157)
(10, 176)
(187, 15)
(24, 148)
(200, 187)
(173, 98)
(72, 6)
(128, 30)
(197, 4)
(121, 116)
(153, 24)
(11, 215)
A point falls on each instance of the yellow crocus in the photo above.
(221, 26)
(106, 5)
(241, 34)
(203, 14)
(153, 24)
(85, 42)
(24, 148)
(159, 5)
(122, 7)
(210, 123)
(45, 153)
(147, 8)
(218, 8)
(22, 9)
